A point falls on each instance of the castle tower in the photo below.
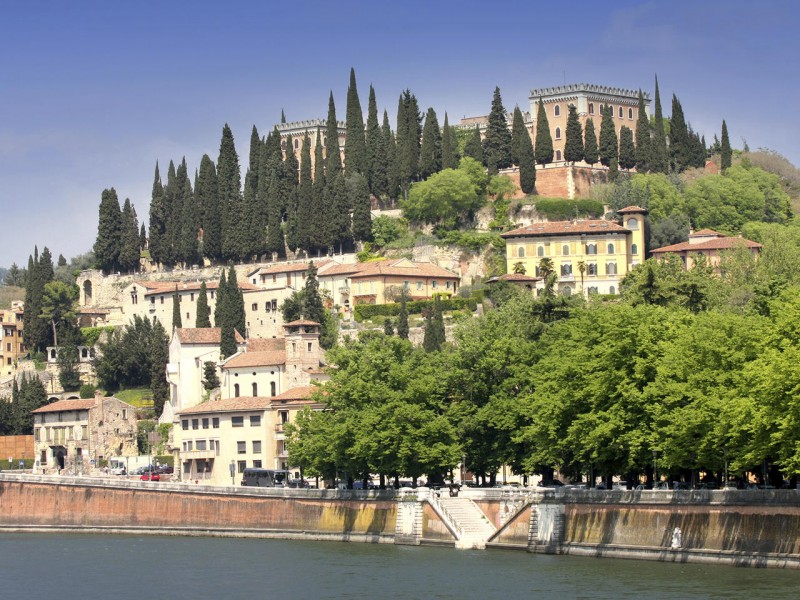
(633, 219)
(303, 352)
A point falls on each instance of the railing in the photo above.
(439, 507)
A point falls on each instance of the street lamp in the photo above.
(655, 468)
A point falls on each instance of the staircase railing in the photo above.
(434, 501)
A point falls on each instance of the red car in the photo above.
(150, 477)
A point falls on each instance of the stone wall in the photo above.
(562, 181)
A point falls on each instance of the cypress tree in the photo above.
(36, 333)
(203, 310)
(434, 328)
(627, 151)
(283, 118)
(109, 227)
(590, 150)
(230, 195)
(206, 198)
(573, 147)
(609, 146)
(313, 309)
(235, 301)
(697, 149)
(319, 226)
(220, 308)
(449, 158)
(518, 131)
(659, 155)
(305, 200)
(409, 131)
(253, 221)
(129, 243)
(274, 232)
(402, 318)
(159, 355)
(544, 142)
(679, 142)
(157, 219)
(527, 161)
(430, 153)
(725, 148)
(360, 200)
(392, 166)
(142, 238)
(227, 346)
(355, 145)
(473, 148)
(387, 327)
(189, 223)
(176, 310)
(173, 209)
(263, 205)
(376, 150)
(497, 143)
(643, 139)
(338, 214)
(333, 158)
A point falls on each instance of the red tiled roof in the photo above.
(287, 268)
(341, 269)
(514, 277)
(163, 287)
(265, 344)
(722, 243)
(230, 405)
(255, 359)
(631, 209)
(566, 228)
(302, 392)
(403, 268)
(64, 405)
(203, 335)
(300, 323)
(705, 233)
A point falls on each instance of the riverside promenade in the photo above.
(746, 528)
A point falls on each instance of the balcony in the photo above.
(198, 455)
(344, 290)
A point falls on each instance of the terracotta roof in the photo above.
(255, 359)
(264, 344)
(566, 228)
(287, 268)
(302, 392)
(230, 405)
(341, 269)
(513, 277)
(191, 286)
(403, 268)
(63, 405)
(722, 243)
(631, 209)
(203, 335)
(705, 233)
(301, 322)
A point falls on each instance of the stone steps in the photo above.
(475, 527)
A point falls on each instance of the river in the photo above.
(67, 567)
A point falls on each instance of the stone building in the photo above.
(78, 434)
(11, 345)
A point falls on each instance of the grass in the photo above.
(9, 293)
(138, 397)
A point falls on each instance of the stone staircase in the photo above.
(474, 528)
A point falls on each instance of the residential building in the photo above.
(12, 346)
(709, 244)
(77, 434)
(587, 256)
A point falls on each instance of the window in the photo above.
(557, 111)
(634, 249)
(310, 346)
(434, 284)
(610, 249)
(185, 424)
(205, 423)
(257, 463)
(592, 291)
(241, 466)
(254, 306)
(236, 390)
(237, 421)
(591, 108)
(152, 299)
(187, 446)
(195, 423)
(520, 254)
(540, 251)
(134, 297)
(255, 389)
(256, 446)
(611, 268)
(419, 285)
(611, 290)
(255, 420)
(558, 154)
(283, 416)
(191, 297)
(565, 249)
(162, 299)
(215, 422)
(566, 269)
(620, 112)
(241, 447)
(296, 146)
(187, 316)
(271, 388)
(630, 114)
(447, 284)
(558, 133)
(124, 414)
(591, 269)
(566, 291)
(591, 248)
(201, 444)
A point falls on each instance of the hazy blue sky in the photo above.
(93, 93)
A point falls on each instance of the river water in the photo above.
(67, 567)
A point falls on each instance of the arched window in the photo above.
(236, 390)
(271, 388)
(591, 248)
(540, 251)
(296, 143)
(565, 249)
(591, 108)
(591, 268)
(521, 252)
(558, 154)
(634, 249)
(610, 109)
(592, 291)
(558, 133)
(633, 223)
(255, 389)
(557, 111)
(283, 144)
(611, 290)
(566, 290)
(610, 249)
(630, 114)
(611, 268)
(621, 113)
(566, 269)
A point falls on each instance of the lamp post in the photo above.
(655, 468)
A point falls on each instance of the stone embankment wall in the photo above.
(40, 503)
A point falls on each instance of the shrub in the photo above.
(87, 391)
(368, 311)
(559, 209)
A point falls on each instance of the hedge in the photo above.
(367, 311)
(557, 209)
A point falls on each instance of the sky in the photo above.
(92, 94)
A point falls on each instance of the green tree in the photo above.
(39, 273)
(376, 150)
(430, 154)
(522, 148)
(544, 142)
(643, 137)
(449, 150)
(68, 374)
(725, 148)
(129, 243)
(208, 205)
(443, 197)
(158, 220)
(680, 150)
(203, 310)
(409, 132)
(274, 233)
(434, 328)
(590, 150)
(609, 146)
(229, 190)
(333, 159)
(402, 318)
(176, 310)
(659, 155)
(497, 143)
(392, 165)
(627, 150)
(221, 308)
(210, 378)
(388, 329)
(355, 147)
(573, 147)
(58, 307)
(235, 301)
(305, 200)
(358, 191)
(159, 352)
(107, 245)
(473, 148)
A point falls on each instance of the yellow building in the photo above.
(708, 244)
(11, 345)
(587, 256)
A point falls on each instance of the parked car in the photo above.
(150, 476)
(165, 470)
(552, 483)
